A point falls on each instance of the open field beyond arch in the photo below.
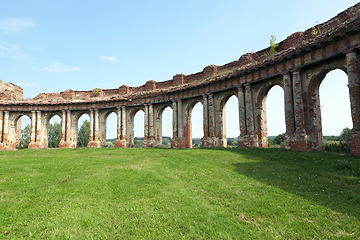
(151, 193)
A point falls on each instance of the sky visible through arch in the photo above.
(52, 46)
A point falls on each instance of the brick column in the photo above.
(97, 125)
(123, 123)
(6, 126)
(174, 120)
(91, 125)
(354, 92)
(289, 110)
(242, 116)
(298, 102)
(38, 127)
(33, 124)
(211, 115)
(151, 122)
(1, 126)
(146, 122)
(249, 111)
(68, 126)
(205, 116)
(118, 125)
(63, 126)
(180, 118)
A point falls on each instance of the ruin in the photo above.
(298, 65)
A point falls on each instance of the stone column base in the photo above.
(35, 145)
(120, 143)
(354, 141)
(149, 143)
(95, 144)
(296, 141)
(66, 145)
(7, 146)
(210, 142)
(179, 142)
(248, 141)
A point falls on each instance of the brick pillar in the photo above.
(97, 125)
(151, 122)
(211, 115)
(63, 126)
(118, 125)
(123, 123)
(174, 120)
(38, 127)
(6, 127)
(247, 137)
(205, 116)
(33, 124)
(1, 126)
(289, 112)
(91, 124)
(146, 122)
(180, 118)
(354, 92)
(300, 139)
(68, 126)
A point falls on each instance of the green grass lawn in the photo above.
(178, 194)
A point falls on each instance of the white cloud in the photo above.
(12, 51)
(27, 84)
(107, 58)
(13, 25)
(57, 67)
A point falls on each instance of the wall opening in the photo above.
(232, 121)
(54, 132)
(138, 128)
(166, 126)
(83, 130)
(275, 116)
(334, 104)
(111, 129)
(25, 137)
(196, 119)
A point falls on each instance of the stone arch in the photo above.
(47, 117)
(130, 123)
(187, 119)
(103, 115)
(260, 111)
(75, 126)
(158, 128)
(14, 134)
(220, 115)
(312, 100)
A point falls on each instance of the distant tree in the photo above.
(109, 144)
(137, 144)
(344, 135)
(54, 135)
(84, 134)
(279, 139)
(231, 143)
(166, 142)
(25, 136)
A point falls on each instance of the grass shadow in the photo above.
(325, 179)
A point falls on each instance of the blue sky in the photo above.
(51, 46)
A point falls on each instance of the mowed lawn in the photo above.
(154, 193)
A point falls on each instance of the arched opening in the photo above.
(54, 132)
(275, 117)
(166, 126)
(335, 111)
(138, 129)
(25, 137)
(232, 121)
(83, 130)
(196, 121)
(111, 129)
